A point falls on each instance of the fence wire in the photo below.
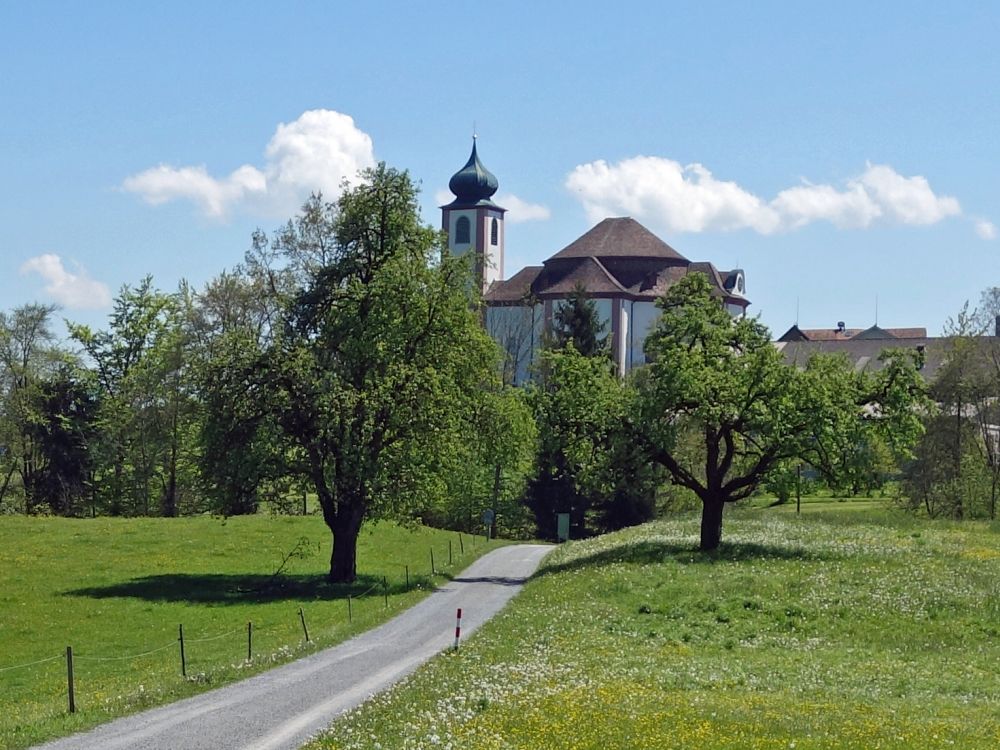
(30, 663)
(172, 644)
(76, 656)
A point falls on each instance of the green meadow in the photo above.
(116, 590)
(849, 626)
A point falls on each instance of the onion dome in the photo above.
(473, 184)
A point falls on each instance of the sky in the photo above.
(844, 154)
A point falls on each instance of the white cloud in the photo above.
(518, 210)
(987, 230)
(805, 204)
(684, 199)
(76, 291)
(690, 199)
(316, 152)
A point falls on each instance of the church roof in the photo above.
(559, 279)
(515, 289)
(619, 238)
(617, 258)
(473, 184)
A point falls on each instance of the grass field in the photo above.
(116, 588)
(850, 626)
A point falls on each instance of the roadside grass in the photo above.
(115, 588)
(836, 629)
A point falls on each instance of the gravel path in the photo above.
(283, 707)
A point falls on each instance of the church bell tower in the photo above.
(473, 222)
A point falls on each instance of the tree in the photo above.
(380, 359)
(721, 379)
(488, 463)
(242, 452)
(147, 407)
(576, 320)
(987, 314)
(27, 356)
(64, 428)
(578, 405)
(957, 471)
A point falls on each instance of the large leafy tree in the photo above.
(241, 452)
(488, 464)
(721, 381)
(577, 406)
(589, 464)
(381, 357)
(147, 405)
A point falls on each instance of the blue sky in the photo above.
(837, 154)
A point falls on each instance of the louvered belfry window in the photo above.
(462, 231)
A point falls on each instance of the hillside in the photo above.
(117, 590)
(844, 629)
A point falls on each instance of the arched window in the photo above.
(494, 232)
(462, 231)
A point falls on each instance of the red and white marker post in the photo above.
(458, 628)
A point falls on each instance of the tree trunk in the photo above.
(6, 482)
(711, 523)
(343, 559)
(169, 505)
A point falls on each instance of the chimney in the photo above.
(841, 326)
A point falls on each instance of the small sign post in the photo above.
(562, 526)
(489, 516)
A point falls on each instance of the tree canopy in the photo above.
(719, 381)
(380, 360)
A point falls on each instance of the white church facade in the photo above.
(623, 267)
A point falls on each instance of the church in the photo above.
(623, 267)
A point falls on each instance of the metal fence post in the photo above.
(69, 679)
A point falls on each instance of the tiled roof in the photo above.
(617, 258)
(563, 277)
(863, 354)
(908, 333)
(619, 238)
(718, 283)
(515, 289)
(846, 334)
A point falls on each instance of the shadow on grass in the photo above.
(685, 554)
(215, 588)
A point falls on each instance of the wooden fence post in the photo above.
(304, 628)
